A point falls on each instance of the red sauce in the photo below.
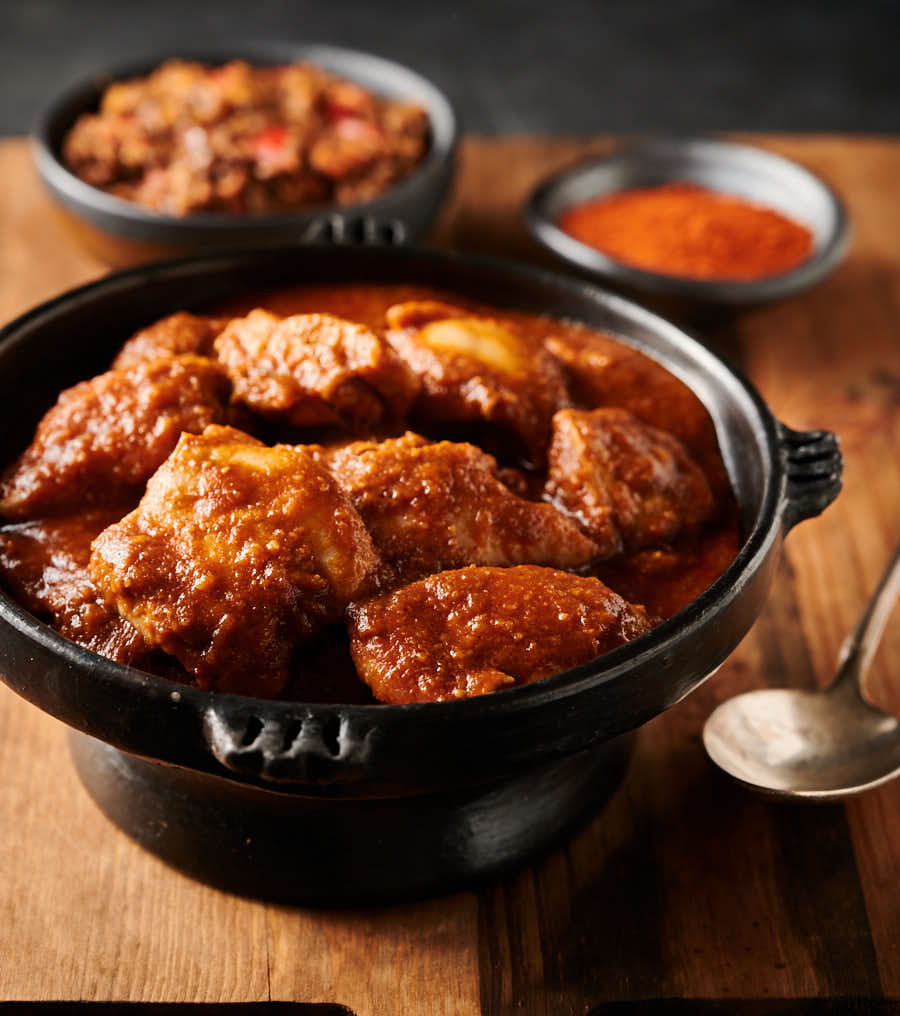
(663, 581)
(44, 561)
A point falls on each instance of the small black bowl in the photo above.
(121, 232)
(741, 170)
(342, 803)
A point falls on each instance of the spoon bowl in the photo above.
(815, 745)
(804, 743)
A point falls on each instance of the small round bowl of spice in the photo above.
(693, 221)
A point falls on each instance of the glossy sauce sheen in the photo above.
(663, 581)
(427, 508)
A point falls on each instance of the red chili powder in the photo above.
(687, 230)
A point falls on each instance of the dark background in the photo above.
(558, 66)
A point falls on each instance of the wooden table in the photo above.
(686, 887)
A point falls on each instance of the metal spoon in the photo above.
(816, 745)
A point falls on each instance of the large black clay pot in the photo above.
(348, 803)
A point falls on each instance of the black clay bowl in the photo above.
(759, 176)
(123, 233)
(340, 803)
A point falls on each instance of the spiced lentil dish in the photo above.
(366, 493)
(237, 138)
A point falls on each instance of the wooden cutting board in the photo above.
(686, 887)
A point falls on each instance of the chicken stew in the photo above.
(366, 493)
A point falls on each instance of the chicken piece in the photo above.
(45, 566)
(176, 335)
(105, 437)
(604, 372)
(629, 485)
(236, 555)
(476, 630)
(430, 507)
(314, 370)
(478, 368)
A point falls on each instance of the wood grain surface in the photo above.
(685, 887)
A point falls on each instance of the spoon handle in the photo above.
(860, 645)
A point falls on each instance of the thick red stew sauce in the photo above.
(366, 493)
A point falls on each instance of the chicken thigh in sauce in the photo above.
(313, 370)
(629, 485)
(476, 630)
(476, 368)
(105, 437)
(603, 372)
(45, 563)
(237, 553)
(436, 505)
(179, 334)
